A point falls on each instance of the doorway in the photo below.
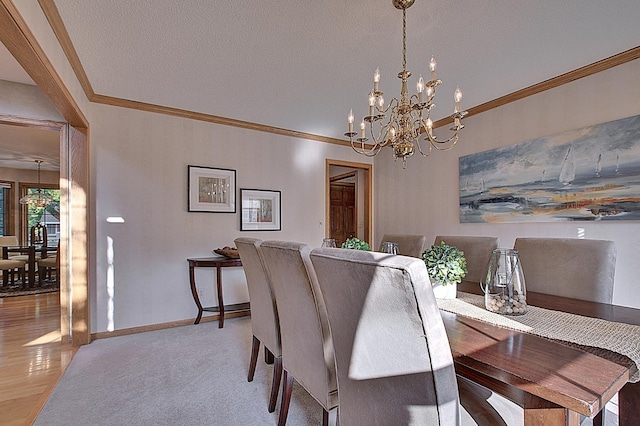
(74, 172)
(348, 201)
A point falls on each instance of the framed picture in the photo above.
(212, 190)
(260, 210)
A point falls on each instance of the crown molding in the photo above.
(51, 12)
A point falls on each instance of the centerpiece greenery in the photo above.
(445, 264)
(355, 244)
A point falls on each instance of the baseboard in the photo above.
(162, 326)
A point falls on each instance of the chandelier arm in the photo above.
(420, 148)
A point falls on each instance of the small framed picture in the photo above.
(212, 190)
(260, 210)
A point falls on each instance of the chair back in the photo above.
(264, 313)
(393, 359)
(307, 351)
(9, 241)
(477, 252)
(408, 244)
(569, 267)
(39, 234)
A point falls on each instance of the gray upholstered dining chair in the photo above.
(408, 244)
(307, 350)
(569, 267)
(477, 252)
(265, 324)
(393, 360)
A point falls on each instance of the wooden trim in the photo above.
(176, 112)
(342, 176)
(31, 122)
(368, 191)
(552, 83)
(22, 44)
(55, 21)
(165, 325)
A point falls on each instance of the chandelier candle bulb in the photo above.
(362, 129)
(420, 88)
(432, 67)
(376, 79)
(372, 102)
(350, 120)
(457, 96)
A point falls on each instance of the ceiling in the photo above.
(21, 146)
(302, 65)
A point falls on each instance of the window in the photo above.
(48, 216)
(5, 208)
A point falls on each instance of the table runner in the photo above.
(613, 336)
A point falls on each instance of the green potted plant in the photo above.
(355, 244)
(446, 266)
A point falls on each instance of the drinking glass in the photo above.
(389, 247)
(329, 242)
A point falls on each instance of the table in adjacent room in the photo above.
(218, 263)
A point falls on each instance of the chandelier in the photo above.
(37, 199)
(409, 117)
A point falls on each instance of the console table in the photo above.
(218, 263)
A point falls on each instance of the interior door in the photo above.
(343, 211)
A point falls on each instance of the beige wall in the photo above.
(429, 202)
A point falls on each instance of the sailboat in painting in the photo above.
(568, 169)
(598, 165)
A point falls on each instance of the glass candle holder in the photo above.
(503, 286)
(329, 242)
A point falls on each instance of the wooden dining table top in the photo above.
(543, 376)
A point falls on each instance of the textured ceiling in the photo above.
(302, 65)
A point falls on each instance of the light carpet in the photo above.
(192, 375)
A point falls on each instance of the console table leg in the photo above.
(220, 298)
(194, 292)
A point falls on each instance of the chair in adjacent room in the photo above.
(265, 325)
(477, 252)
(408, 244)
(49, 264)
(393, 360)
(14, 263)
(307, 351)
(11, 266)
(569, 267)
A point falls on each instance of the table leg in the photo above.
(220, 301)
(194, 292)
(629, 404)
(32, 267)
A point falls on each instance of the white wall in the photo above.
(139, 172)
(429, 203)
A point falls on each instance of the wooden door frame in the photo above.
(74, 172)
(368, 194)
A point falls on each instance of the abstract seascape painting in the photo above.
(587, 174)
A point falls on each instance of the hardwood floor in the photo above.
(32, 358)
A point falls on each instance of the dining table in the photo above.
(31, 251)
(554, 381)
